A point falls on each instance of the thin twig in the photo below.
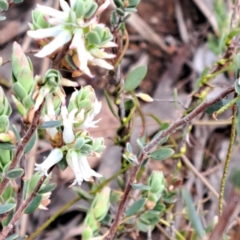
(21, 209)
(201, 108)
(228, 159)
(21, 146)
(233, 202)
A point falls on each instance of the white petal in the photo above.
(109, 44)
(103, 6)
(72, 3)
(101, 54)
(82, 53)
(68, 134)
(45, 33)
(53, 158)
(56, 43)
(64, 6)
(102, 63)
(87, 72)
(55, 21)
(52, 12)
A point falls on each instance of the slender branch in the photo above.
(69, 204)
(200, 109)
(21, 146)
(228, 158)
(173, 127)
(233, 202)
(21, 209)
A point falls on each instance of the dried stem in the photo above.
(21, 209)
(228, 158)
(233, 202)
(200, 109)
(21, 146)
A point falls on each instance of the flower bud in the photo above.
(156, 182)
(4, 123)
(87, 233)
(22, 77)
(5, 108)
(101, 204)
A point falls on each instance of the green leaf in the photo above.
(192, 214)
(63, 163)
(50, 124)
(109, 103)
(140, 186)
(93, 38)
(136, 207)
(31, 143)
(16, 133)
(7, 207)
(4, 5)
(47, 188)
(235, 178)
(6, 146)
(215, 107)
(34, 204)
(14, 236)
(162, 154)
(83, 194)
(134, 78)
(237, 86)
(15, 173)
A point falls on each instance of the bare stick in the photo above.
(233, 201)
(200, 109)
(21, 146)
(21, 209)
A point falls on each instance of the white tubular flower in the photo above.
(89, 122)
(80, 166)
(77, 23)
(68, 120)
(53, 158)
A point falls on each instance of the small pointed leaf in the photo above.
(136, 207)
(162, 154)
(15, 173)
(34, 204)
(7, 207)
(134, 78)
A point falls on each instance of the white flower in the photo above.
(80, 166)
(53, 158)
(68, 119)
(89, 122)
(66, 26)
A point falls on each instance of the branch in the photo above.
(233, 202)
(200, 109)
(21, 209)
(21, 146)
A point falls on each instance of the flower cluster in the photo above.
(76, 144)
(77, 25)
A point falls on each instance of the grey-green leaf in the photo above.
(31, 143)
(192, 214)
(4, 5)
(140, 186)
(15, 173)
(134, 78)
(7, 207)
(6, 146)
(51, 124)
(162, 154)
(34, 204)
(12, 237)
(47, 188)
(136, 207)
